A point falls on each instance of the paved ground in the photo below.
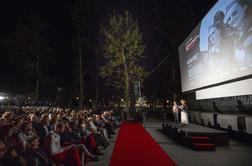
(237, 154)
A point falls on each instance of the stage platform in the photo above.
(217, 137)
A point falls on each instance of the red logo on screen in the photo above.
(191, 43)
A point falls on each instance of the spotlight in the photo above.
(2, 97)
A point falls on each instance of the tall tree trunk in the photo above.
(37, 77)
(174, 95)
(69, 104)
(36, 45)
(96, 90)
(56, 99)
(79, 45)
(81, 79)
(126, 82)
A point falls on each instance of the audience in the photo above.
(53, 136)
(34, 155)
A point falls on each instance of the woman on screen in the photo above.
(239, 17)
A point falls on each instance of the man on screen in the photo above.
(214, 47)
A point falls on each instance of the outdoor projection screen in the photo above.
(220, 48)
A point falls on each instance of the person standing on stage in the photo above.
(175, 110)
(184, 110)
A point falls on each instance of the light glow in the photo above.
(2, 97)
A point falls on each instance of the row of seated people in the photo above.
(53, 136)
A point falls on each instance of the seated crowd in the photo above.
(33, 136)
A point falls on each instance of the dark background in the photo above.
(164, 25)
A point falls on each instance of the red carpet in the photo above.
(135, 147)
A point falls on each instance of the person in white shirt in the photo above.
(175, 110)
(71, 154)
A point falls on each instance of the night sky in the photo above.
(57, 13)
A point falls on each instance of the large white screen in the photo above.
(220, 47)
(237, 88)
